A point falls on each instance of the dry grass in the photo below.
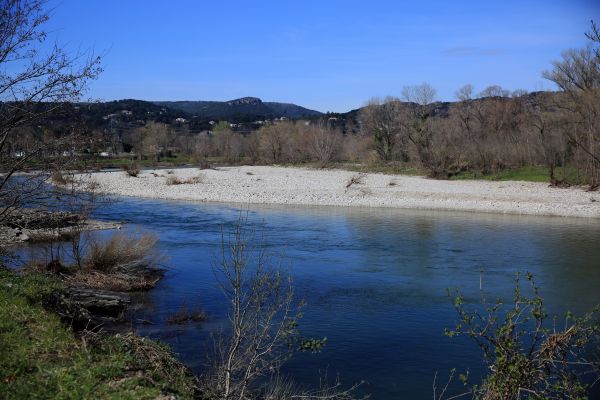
(132, 169)
(117, 282)
(122, 262)
(37, 265)
(195, 179)
(91, 186)
(202, 164)
(175, 180)
(185, 315)
(358, 179)
(52, 235)
(58, 178)
(122, 253)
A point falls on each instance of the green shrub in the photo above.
(526, 358)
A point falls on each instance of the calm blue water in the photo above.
(374, 281)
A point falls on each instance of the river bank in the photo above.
(37, 225)
(310, 187)
(41, 356)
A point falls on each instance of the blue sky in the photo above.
(327, 55)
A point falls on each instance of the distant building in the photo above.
(180, 120)
(126, 112)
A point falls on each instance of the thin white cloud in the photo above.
(470, 51)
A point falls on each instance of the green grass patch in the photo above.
(528, 174)
(41, 358)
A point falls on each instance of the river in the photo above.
(374, 281)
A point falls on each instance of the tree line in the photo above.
(480, 133)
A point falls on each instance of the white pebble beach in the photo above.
(312, 187)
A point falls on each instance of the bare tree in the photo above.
(228, 145)
(263, 311)
(519, 93)
(594, 36)
(273, 139)
(442, 153)
(578, 76)
(324, 143)
(422, 94)
(185, 143)
(156, 138)
(357, 148)
(548, 127)
(492, 133)
(465, 93)
(494, 91)
(382, 121)
(263, 319)
(577, 71)
(418, 121)
(34, 86)
(203, 146)
(252, 147)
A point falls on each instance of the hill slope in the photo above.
(244, 109)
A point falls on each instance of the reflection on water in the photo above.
(375, 280)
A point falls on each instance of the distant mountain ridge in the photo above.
(245, 108)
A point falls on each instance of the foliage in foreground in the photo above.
(263, 334)
(41, 358)
(525, 357)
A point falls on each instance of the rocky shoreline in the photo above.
(311, 187)
(36, 225)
